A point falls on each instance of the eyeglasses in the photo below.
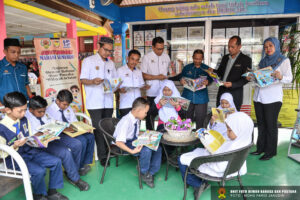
(108, 50)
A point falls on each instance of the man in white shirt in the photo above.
(155, 67)
(132, 83)
(94, 70)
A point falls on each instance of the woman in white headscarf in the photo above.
(239, 132)
(167, 110)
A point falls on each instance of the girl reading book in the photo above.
(239, 131)
(166, 105)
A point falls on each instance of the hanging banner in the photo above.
(58, 64)
(215, 8)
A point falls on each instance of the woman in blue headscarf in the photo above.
(268, 100)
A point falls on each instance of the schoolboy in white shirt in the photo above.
(127, 131)
(94, 69)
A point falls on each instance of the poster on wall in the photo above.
(217, 52)
(258, 34)
(162, 33)
(246, 35)
(141, 50)
(195, 38)
(273, 31)
(149, 35)
(179, 38)
(219, 36)
(231, 32)
(247, 50)
(179, 55)
(58, 63)
(138, 38)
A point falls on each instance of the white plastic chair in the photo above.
(13, 173)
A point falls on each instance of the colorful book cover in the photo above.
(262, 77)
(221, 113)
(211, 139)
(79, 128)
(195, 84)
(110, 86)
(149, 139)
(183, 102)
(215, 77)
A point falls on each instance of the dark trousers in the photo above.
(152, 113)
(124, 112)
(191, 179)
(197, 112)
(96, 116)
(267, 116)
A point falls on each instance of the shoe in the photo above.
(57, 196)
(39, 197)
(265, 157)
(148, 179)
(82, 185)
(103, 161)
(256, 153)
(198, 190)
(84, 170)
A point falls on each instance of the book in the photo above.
(46, 133)
(183, 102)
(128, 88)
(79, 128)
(175, 68)
(194, 84)
(262, 77)
(215, 77)
(149, 139)
(212, 140)
(110, 86)
(221, 113)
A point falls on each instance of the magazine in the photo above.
(149, 139)
(183, 102)
(128, 88)
(79, 128)
(175, 67)
(46, 133)
(195, 84)
(262, 77)
(110, 86)
(211, 139)
(215, 77)
(221, 113)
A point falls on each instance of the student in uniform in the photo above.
(131, 77)
(37, 116)
(127, 131)
(155, 67)
(13, 128)
(239, 133)
(61, 110)
(95, 68)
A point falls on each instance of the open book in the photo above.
(46, 133)
(110, 86)
(211, 139)
(262, 77)
(215, 77)
(183, 102)
(194, 84)
(221, 113)
(79, 128)
(149, 139)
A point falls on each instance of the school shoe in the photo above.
(57, 196)
(82, 185)
(84, 170)
(39, 197)
(256, 153)
(148, 179)
(198, 190)
(265, 157)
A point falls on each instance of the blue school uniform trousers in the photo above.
(36, 160)
(191, 179)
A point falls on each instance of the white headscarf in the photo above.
(228, 97)
(165, 113)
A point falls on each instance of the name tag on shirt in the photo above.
(237, 65)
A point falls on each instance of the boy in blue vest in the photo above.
(127, 131)
(60, 110)
(14, 127)
(37, 116)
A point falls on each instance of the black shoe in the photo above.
(82, 185)
(256, 153)
(265, 157)
(148, 179)
(57, 196)
(198, 190)
(103, 161)
(39, 197)
(84, 170)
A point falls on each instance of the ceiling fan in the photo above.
(105, 2)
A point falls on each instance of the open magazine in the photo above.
(183, 102)
(128, 88)
(212, 140)
(221, 113)
(262, 77)
(175, 68)
(46, 133)
(215, 77)
(195, 84)
(79, 128)
(149, 139)
(110, 86)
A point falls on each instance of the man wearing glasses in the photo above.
(155, 67)
(94, 70)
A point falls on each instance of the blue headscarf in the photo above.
(274, 60)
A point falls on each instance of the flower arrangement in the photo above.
(179, 125)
